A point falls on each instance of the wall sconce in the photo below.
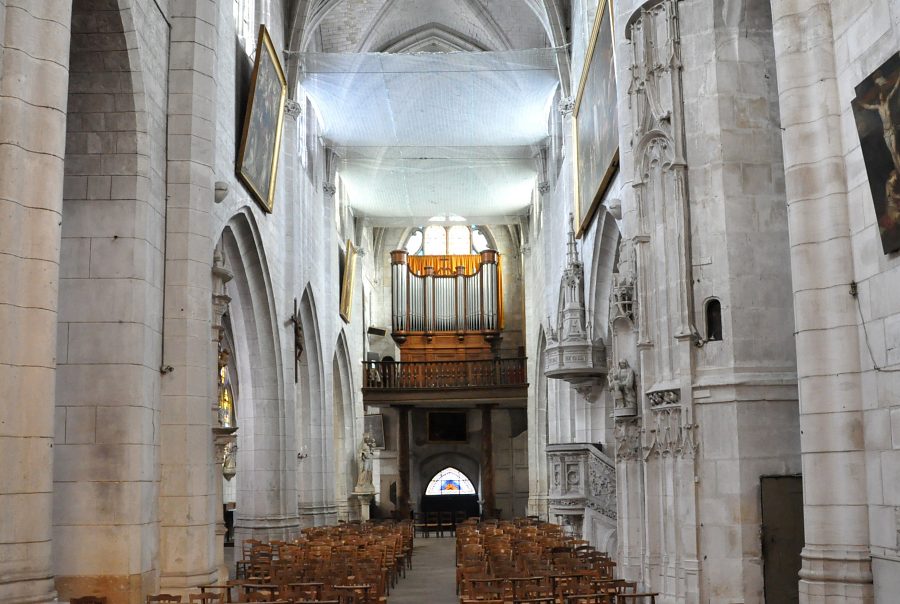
(303, 453)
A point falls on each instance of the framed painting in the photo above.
(447, 427)
(348, 281)
(374, 425)
(876, 109)
(257, 161)
(595, 120)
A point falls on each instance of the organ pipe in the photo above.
(447, 299)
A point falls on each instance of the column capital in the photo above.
(293, 108)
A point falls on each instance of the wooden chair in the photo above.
(590, 599)
(88, 600)
(484, 589)
(259, 596)
(207, 598)
(626, 598)
(354, 594)
(163, 599)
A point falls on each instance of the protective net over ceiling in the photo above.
(434, 133)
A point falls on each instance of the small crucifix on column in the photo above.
(298, 338)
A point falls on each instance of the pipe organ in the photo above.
(435, 297)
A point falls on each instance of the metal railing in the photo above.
(381, 375)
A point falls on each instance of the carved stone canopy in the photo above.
(571, 354)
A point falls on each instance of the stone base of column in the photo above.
(118, 589)
(538, 506)
(266, 529)
(318, 515)
(831, 574)
(31, 591)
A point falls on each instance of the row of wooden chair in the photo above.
(533, 562)
(348, 564)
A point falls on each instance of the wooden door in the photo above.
(782, 536)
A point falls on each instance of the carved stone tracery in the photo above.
(628, 439)
(667, 434)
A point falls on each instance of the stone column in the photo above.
(34, 76)
(836, 558)
(403, 462)
(188, 471)
(487, 461)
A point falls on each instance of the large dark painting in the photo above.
(447, 427)
(877, 112)
(257, 162)
(596, 120)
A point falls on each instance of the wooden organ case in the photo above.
(446, 308)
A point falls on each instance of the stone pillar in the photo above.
(836, 558)
(188, 493)
(34, 75)
(403, 462)
(487, 461)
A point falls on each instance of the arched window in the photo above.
(459, 240)
(437, 240)
(414, 243)
(713, 320)
(450, 481)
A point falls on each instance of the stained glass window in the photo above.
(450, 481)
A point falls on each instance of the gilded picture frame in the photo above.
(595, 120)
(257, 160)
(875, 110)
(348, 281)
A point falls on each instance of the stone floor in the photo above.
(432, 578)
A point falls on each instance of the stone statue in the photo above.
(229, 460)
(621, 384)
(365, 454)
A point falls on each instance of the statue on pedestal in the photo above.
(621, 385)
(365, 455)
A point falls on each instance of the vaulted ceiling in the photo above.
(441, 135)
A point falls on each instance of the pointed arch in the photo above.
(450, 481)
(436, 35)
(314, 419)
(345, 428)
(538, 435)
(603, 262)
(432, 465)
(266, 490)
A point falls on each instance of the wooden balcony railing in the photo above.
(419, 375)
